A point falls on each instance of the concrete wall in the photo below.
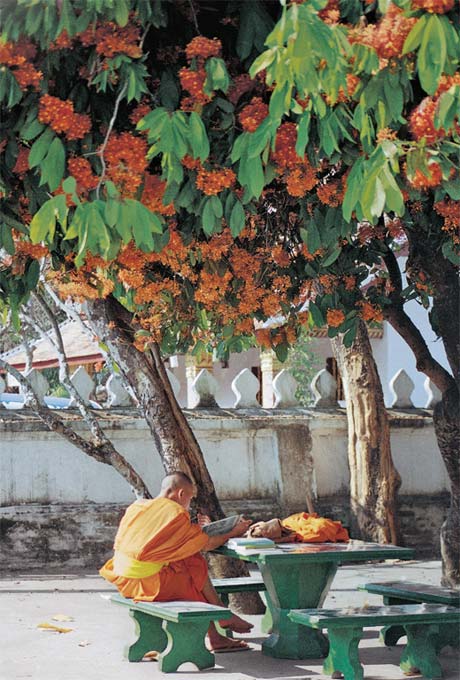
(60, 508)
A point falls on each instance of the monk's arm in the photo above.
(238, 530)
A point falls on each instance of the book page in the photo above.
(222, 526)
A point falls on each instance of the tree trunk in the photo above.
(374, 481)
(173, 437)
(444, 318)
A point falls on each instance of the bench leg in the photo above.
(390, 635)
(343, 653)
(420, 651)
(185, 643)
(150, 636)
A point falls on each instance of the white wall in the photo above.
(256, 454)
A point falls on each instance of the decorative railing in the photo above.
(204, 389)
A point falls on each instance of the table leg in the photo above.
(420, 651)
(295, 586)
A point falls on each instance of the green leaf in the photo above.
(237, 219)
(415, 36)
(332, 257)
(112, 212)
(432, 54)
(303, 133)
(316, 314)
(40, 147)
(32, 274)
(218, 78)
(121, 12)
(53, 166)
(313, 238)
(282, 351)
(198, 137)
(208, 218)
(69, 185)
(42, 222)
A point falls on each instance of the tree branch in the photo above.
(405, 327)
(120, 96)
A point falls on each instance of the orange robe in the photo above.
(159, 531)
(314, 529)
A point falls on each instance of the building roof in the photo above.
(79, 349)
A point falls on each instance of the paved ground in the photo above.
(93, 648)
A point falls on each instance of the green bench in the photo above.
(407, 592)
(176, 630)
(241, 584)
(345, 628)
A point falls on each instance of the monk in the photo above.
(157, 555)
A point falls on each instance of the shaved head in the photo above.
(178, 487)
(176, 480)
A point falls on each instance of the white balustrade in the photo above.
(245, 387)
(174, 382)
(401, 386)
(324, 388)
(204, 389)
(284, 388)
(38, 382)
(117, 394)
(434, 394)
(83, 383)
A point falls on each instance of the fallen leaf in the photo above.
(55, 629)
(61, 617)
(84, 643)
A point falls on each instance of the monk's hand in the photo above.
(241, 527)
(203, 520)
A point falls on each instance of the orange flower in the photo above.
(152, 196)
(80, 168)
(369, 312)
(420, 180)
(335, 317)
(203, 48)
(193, 82)
(253, 114)
(301, 180)
(434, 6)
(60, 116)
(421, 122)
(22, 161)
(111, 39)
(212, 182)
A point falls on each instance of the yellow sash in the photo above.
(131, 568)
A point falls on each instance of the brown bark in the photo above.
(446, 416)
(374, 481)
(173, 437)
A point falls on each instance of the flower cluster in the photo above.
(203, 48)
(450, 210)
(299, 176)
(253, 114)
(212, 182)
(193, 83)
(423, 180)
(35, 251)
(421, 122)
(80, 169)
(370, 312)
(152, 195)
(111, 39)
(141, 110)
(388, 36)
(335, 317)
(331, 193)
(60, 116)
(125, 155)
(22, 162)
(434, 6)
(15, 57)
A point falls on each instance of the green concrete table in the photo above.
(299, 576)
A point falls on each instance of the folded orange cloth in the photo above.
(314, 529)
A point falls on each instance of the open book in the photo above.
(222, 526)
